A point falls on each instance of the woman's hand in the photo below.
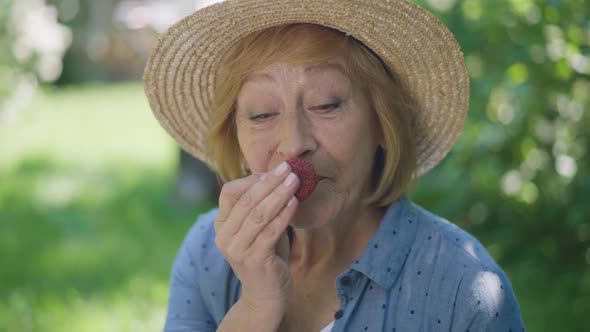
(251, 224)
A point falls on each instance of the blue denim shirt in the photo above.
(417, 273)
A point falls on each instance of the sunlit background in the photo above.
(95, 198)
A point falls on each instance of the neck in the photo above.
(335, 246)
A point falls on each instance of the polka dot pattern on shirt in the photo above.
(413, 252)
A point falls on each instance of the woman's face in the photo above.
(313, 113)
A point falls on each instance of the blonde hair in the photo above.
(395, 163)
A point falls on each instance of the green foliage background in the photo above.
(88, 233)
(528, 119)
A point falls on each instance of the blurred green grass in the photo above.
(87, 230)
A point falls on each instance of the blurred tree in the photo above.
(112, 41)
(113, 38)
(195, 182)
(33, 44)
(518, 177)
(520, 172)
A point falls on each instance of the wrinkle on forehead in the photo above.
(264, 74)
(327, 65)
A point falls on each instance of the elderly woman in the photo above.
(318, 115)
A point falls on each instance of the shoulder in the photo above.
(201, 267)
(486, 302)
(483, 296)
(452, 240)
(198, 250)
(198, 246)
(200, 239)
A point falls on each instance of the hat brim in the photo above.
(180, 73)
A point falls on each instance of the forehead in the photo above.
(269, 72)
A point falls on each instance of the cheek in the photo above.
(347, 141)
(351, 146)
(256, 149)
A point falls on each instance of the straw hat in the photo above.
(417, 47)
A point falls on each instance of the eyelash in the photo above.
(324, 107)
(327, 107)
(260, 117)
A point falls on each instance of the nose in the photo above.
(296, 136)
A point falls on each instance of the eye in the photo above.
(260, 117)
(327, 107)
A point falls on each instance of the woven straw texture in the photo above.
(180, 74)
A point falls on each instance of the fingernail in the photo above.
(291, 201)
(280, 169)
(289, 180)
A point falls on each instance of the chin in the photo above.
(303, 219)
(314, 213)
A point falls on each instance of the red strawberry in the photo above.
(307, 177)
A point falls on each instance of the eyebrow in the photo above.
(327, 66)
(258, 77)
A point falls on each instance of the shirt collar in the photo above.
(385, 254)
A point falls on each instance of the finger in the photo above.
(265, 243)
(265, 212)
(252, 197)
(230, 194)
